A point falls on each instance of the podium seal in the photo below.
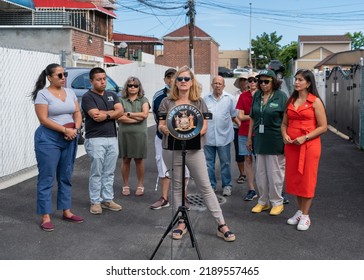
(184, 121)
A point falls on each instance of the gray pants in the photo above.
(269, 177)
(196, 163)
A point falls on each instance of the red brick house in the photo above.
(176, 50)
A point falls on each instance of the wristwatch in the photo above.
(128, 114)
(307, 138)
(108, 117)
(78, 130)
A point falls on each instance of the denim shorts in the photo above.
(243, 151)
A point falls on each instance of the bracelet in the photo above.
(307, 138)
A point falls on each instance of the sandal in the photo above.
(126, 191)
(139, 191)
(227, 235)
(178, 233)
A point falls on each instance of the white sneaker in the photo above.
(226, 191)
(304, 223)
(295, 218)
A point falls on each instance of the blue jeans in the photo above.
(224, 157)
(55, 159)
(103, 152)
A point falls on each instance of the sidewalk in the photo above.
(132, 234)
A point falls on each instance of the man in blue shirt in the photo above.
(220, 133)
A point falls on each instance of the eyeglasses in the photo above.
(185, 79)
(251, 80)
(61, 75)
(266, 82)
(133, 86)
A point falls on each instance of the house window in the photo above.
(233, 63)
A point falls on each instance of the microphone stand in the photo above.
(182, 213)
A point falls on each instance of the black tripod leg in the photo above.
(170, 226)
(190, 230)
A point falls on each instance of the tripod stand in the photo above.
(181, 213)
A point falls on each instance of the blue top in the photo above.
(157, 99)
(59, 111)
(220, 130)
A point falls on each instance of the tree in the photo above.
(357, 40)
(287, 54)
(265, 49)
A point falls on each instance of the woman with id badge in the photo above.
(266, 117)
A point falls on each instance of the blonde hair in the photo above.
(195, 89)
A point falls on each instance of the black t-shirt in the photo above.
(106, 102)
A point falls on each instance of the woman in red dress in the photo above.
(304, 121)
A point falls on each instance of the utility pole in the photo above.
(250, 37)
(191, 14)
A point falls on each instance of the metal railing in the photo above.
(77, 18)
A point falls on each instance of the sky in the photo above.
(232, 23)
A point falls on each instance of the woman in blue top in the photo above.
(55, 143)
(266, 117)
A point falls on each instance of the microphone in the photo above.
(207, 116)
(162, 116)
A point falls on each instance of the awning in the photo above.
(26, 4)
(109, 59)
(69, 4)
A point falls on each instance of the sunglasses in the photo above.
(264, 82)
(251, 80)
(185, 79)
(133, 86)
(61, 75)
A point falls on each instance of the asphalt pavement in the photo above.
(336, 232)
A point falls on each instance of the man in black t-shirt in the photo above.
(101, 109)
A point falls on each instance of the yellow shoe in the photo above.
(259, 208)
(276, 210)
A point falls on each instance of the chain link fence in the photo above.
(19, 70)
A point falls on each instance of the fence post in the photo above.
(361, 108)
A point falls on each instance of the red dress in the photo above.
(302, 160)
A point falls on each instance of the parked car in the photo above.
(277, 67)
(225, 72)
(78, 79)
(238, 71)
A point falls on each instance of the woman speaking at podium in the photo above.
(186, 91)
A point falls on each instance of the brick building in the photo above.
(176, 50)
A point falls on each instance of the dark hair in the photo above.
(41, 82)
(136, 81)
(96, 70)
(309, 78)
(276, 84)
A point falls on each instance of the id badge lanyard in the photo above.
(262, 109)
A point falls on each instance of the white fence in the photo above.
(19, 69)
(151, 76)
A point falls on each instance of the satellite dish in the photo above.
(122, 49)
(123, 45)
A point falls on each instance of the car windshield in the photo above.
(83, 82)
